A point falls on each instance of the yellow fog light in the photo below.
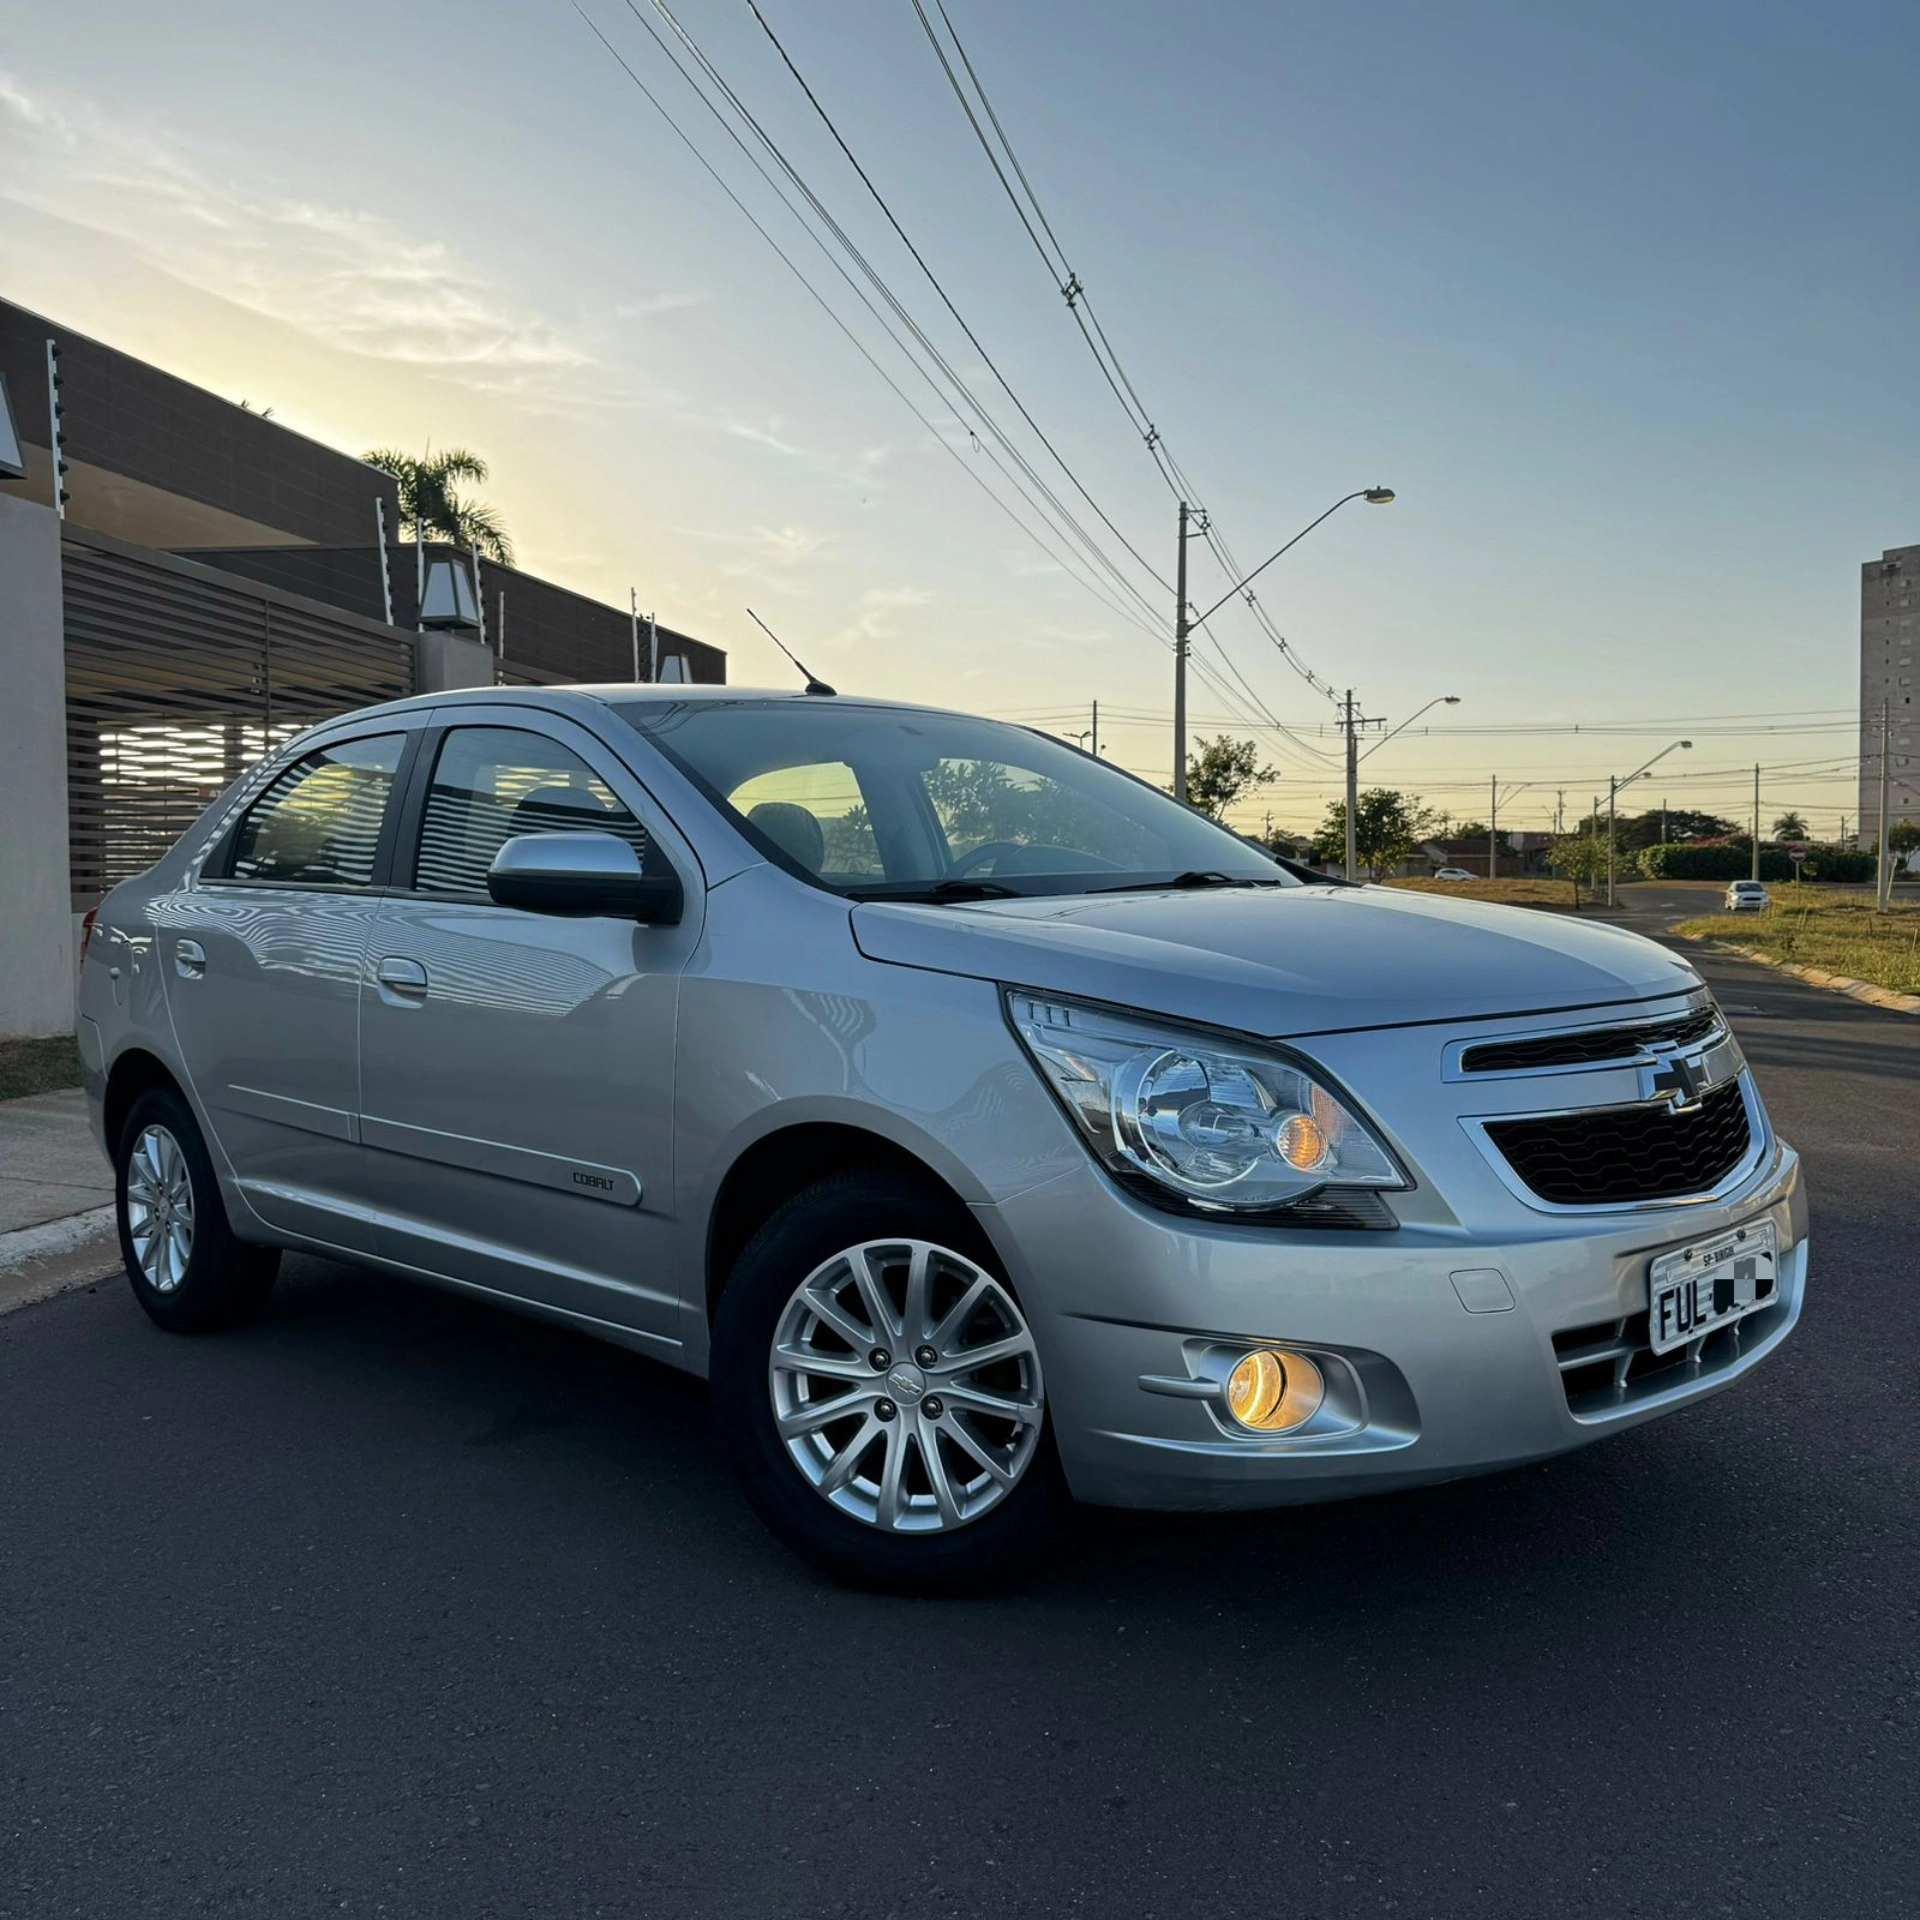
(1273, 1391)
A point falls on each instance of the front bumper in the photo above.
(1123, 1299)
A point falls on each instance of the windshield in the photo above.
(887, 802)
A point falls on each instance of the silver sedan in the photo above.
(986, 1127)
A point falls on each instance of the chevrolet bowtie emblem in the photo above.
(1677, 1079)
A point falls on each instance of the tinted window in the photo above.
(492, 784)
(318, 823)
(878, 800)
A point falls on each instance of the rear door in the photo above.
(261, 956)
(517, 1068)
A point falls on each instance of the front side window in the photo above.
(492, 784)
(891, 802)
(318, 823)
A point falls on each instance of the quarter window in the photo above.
(318, 823)
(493, 784)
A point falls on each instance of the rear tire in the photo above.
(878, 1391)
(186, 1268)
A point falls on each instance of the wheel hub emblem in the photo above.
(907, 1383)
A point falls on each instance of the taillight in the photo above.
(86, 931)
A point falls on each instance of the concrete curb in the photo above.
(54, 1237)
(57, 1257)
(1818, 977)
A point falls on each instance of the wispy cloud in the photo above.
(876, 614)
(860, 468)
(760, 548)
(355, 280)
(656, 303)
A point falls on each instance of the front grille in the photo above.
(1584, 1049)
(1610, 1365)
(1614, 1156)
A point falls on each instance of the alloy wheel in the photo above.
(906, 1386)
(160, 1209)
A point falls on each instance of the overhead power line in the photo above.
(933, 280)
(1073, 290)
(1067, 567)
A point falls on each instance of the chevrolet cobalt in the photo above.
(985, 1126)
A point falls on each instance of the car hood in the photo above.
(1279, 961)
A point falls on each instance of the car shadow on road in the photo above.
(616, 1446)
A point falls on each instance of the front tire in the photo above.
(879, 1392)
(187, 1270)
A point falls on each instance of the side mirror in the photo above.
(581, 874)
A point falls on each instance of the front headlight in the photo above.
(1222, 1126)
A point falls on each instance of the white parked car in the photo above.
(1748, 896)
(1454, 873)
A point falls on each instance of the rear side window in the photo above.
(318, 823)
(492, 784)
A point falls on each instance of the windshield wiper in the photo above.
(1193, 877)
(939, 890)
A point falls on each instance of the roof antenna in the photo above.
(813, 685)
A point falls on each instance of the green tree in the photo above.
(1661, 826)
(433, 508)
(1790, 826)
(1903, 836)
(1387, 826)
(1580, 857)
(1221, 772)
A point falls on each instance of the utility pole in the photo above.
(1353, 787)
(1560, 814)
(1613, 788)
(633, 619)
(1756, 822)
(1180, 632)
(1882, 861)
(1096, 729)
(1663, 824)
(1493, 822)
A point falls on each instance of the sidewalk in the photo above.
(56, 1197)
(49, 1164)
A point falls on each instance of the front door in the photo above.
(261, 954)
(517, 1068)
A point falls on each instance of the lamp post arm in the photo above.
(1440, 700)
(1241, 586)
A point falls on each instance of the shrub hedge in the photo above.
(1736, 863)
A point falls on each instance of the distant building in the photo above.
(1889, 625)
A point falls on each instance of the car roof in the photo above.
(606, 692)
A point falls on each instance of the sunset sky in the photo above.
(1622, 300)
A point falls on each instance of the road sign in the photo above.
(1796, 854)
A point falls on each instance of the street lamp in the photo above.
(1493, 819)
(1183, 626)
(1354, 757)
(1616, 787)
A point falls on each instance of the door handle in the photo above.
(189, 959)
(402, 979)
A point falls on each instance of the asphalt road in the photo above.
(396, 1605)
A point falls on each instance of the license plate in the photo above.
(1710, 1284)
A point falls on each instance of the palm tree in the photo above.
(1790, 826)
(431, 509)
